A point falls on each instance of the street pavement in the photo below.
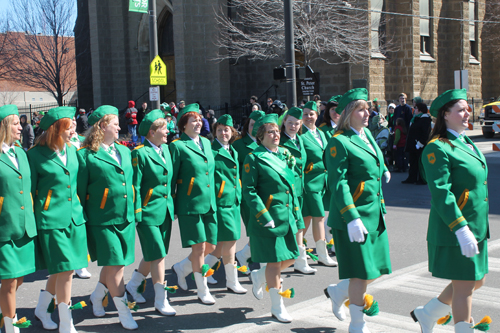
(408, 286)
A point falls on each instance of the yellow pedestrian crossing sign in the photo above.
(157, 72)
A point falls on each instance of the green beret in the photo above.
(226, 120)
(8, 110)
(189, 108)
(101, 112)
(165, 106)
(148, 120)
(295, 112)
(55, 114)
(417, 99)
(335, 99)
(168, 115)
(351, 95)
(375, 99)
(256, 115)
(271, 118)
(311, 105)
(447, 96)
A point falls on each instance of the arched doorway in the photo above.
(166, 52)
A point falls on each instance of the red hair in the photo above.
(185, 118)
(52, 136)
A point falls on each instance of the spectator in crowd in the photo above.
(255, 107)
(35, 119)
(253, 101)
(269, 103)
(317, 98)
(399, 144)
(418, 135)
(173, 109)
(376, 105)
(205, 129)
(211, 117)
(276, 107)
(391, 156)
(322, 108)
(171, 127)
(142, 112)
(181, 105)
(390, 115)
(82, 122)
(28, 135)
(403, 110)
(131, 115)
(302, 103)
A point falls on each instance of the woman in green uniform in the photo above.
(107, 193)
(154, 209)
(62, 237)
(17, 245)
(228, 199)
(291, 140)
(268, 186)
(244, 146)
(193, 186)
(355, 168)
(458, 232)
(313, 210)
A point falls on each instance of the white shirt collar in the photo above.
(251, 137)
(358, 133)
(155, 147)
(269, 150)
(58, 152)
(425, 115)
(455, 133)
(223, 145)
(197, 139)
(290, 136)
(6, 147)
(312, 130)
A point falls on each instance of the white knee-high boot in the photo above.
(232, 282)
(428, 315)
(358, 324)
(42, 310)
(338, 294)
(183, 269)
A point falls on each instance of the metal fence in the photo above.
(30, 109)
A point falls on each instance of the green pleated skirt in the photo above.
(155, 239)
(228, 223)
(112, 245)
(274, 249)
(198, 228)
(367, 260)
(313, 204)
(17, 258)
(62, 250)
(300, 221)
(447, 262)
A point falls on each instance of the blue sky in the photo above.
(4, 4)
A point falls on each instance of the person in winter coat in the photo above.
(131, 115)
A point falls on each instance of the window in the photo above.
(472, 32)
(377, 28)
(425, 28)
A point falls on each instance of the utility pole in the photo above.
(153, 41)
(291, 92)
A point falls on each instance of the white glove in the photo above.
(387, 176)
(467, 241)
(419, 145)
(269, 224)
(357, 231)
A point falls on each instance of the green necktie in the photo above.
(110, 150)
(62, 152)
(11, 152)
(74, 139)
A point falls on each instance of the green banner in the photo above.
(139, 6)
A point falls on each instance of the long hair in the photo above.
(345, 117)
(326, 114)
(6, 131)
(244, 131)
(439, 129)
(283, 128)
(96, 135)
(52, 136)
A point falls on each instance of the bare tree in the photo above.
(329, 30)
(8, 93)
(491, 29)
(45, 45)
(7, 53)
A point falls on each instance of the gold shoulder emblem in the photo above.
(118, 143)
(432, 158)
(33, 147)
(333, 151)
(434, 139)
(247, 168)
(175, 140)
(338, 133)
(82, 148)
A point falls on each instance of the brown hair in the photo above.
(185, 118)
(244, 131)
(283, 129)
(401, 122)
(96, 134)
(345, 118)
(440, 129)
(234, 132)
(5, 131)
(262, 131)
(404, 95)
(52, 136)
(326, 114)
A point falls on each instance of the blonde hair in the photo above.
(96, 135)
(157, 124)
(345, 118)
(6, 131)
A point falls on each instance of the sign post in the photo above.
(154, 94)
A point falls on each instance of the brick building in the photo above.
(115, 49)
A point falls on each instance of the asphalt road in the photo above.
(408, 286)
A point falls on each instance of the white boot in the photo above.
(243, 255)
(464, 327)
(83, 273)
(65, 319)
(183, 269)
(358, 324)
(161, 301)
(136, 286)
(211, 260)
(124, 314)
(338, 293)
(322, 253)
(97, 298)
(203, 291)
(9, 327)
(258, 281)
(428, 315)
(278, 309)
(301, 264)
(41, 310)
(232, 282)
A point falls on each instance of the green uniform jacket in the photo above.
(105, 187)
(327, 129)
(268, 188)
(193, 173)
(227, 176)
(16, 207)
(457, 179)
(54, 188)
(300, 158)
(244, 146)
(314, 172)
(355, 179)
(153, 185)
